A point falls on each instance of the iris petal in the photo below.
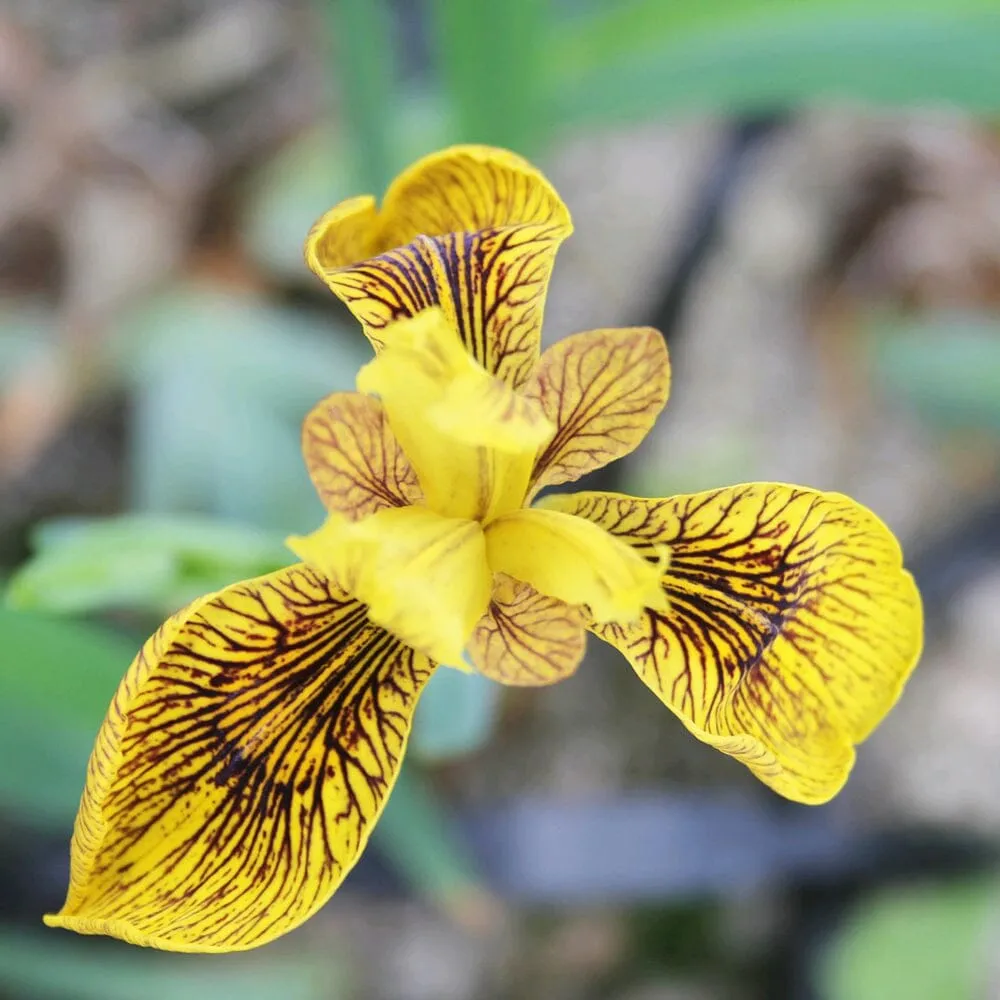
(247, 754)
(526, 638)
(471, 438)
(791, 628)
(471, 229)
(576, 562)
(353, 458)
(603, 391)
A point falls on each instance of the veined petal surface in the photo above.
(525, 638)
(354, 461)
(249, 750)
(603, 391)
(791, 629)
(471, 229)
(424, 577)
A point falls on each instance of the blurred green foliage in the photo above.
(149, 562)
(44, 967)
(493, 61)
(920, 942)
(223, 381)
(56, 680)
(947, 367)
(653, 57)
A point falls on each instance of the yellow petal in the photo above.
(791, 630)
(526, 638)
(576, 562)
(603, 390)
(355, 462)
(471, 229)
(471, 438)
(249, 750)
(424, 577)
(347, 232)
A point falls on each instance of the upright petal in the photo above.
(603, 390)
(469, 436)
(471, 229)
(525, 638)
(791, 630)
(249, 750)
(354, 461)
(424, 577)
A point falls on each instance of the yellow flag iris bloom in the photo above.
(255, 739)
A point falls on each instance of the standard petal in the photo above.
(471, 438)
(466, 189)
(354, 461)
(603, 390)
(526, 638)
(473, 230)
(249, 749)
(423, 576)
(791, 629)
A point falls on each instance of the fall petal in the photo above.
(247, 753)
(791, 629)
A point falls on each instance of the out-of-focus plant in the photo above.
(919, 942)
(515, 73)
(151, 562)
(652, 57)
(946, 366)
(42, 968)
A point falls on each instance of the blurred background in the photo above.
(804, 195)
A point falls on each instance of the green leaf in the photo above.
(223, 383)
(58, 966)
(150, 562)
(56, 680)
(456, 715)
(415, 835)
(360, 54)
(947, 367)
(491, 57)
(784, 55)
(919, 942)
(606, 34)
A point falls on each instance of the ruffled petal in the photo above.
(471, 229)
(247, 753)
(354, 461)
(525, 638)
(603, 390)
(791, 629)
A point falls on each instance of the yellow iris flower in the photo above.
(255, 739)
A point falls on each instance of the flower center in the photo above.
(426, 571)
